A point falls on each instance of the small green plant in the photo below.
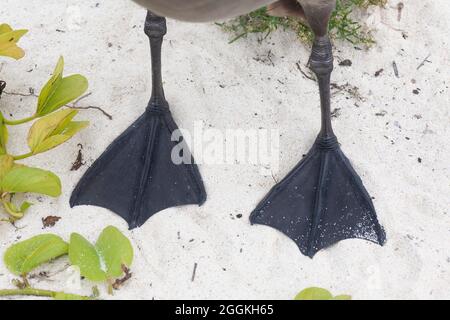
(106, 261)
(8, 42)
(342, 25)
(51, 128)
(315, 293)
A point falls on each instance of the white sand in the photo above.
(236, 260)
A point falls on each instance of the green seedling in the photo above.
(51, 128)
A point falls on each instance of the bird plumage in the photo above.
(212, 10)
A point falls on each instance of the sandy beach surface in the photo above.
(394, 128)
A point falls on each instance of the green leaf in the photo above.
(26, 179)
(6, 164)
(314, 294)
(25, 206)
(8, 42)
(59, 91)
(342, 297)
(56, 140)
(116, 250)
(83, 254)
(47, 126)
(50, 143)
(23, 257)
(3, 135)
(53, 130)
(61, 296)
(50, 86)
(68, 90)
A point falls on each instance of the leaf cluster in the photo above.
(105, 261)
(53, 127)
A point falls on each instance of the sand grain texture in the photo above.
(398, 142)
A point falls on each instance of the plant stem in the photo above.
(110, 287)
(23, 156)
(21, 121)
(27, 292)
(14, 215)
(41, 293)
(7, 206)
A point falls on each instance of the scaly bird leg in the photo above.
(318, 14)
(155, 28)
(321, 63)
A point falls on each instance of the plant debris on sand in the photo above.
(342, 24)
(50, 221)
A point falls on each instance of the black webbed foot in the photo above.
(320, 202)
(323, 200)
(136, 176)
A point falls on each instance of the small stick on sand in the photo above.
(194, 272)
(423, 62)
(74, 106)
(299, 67)
(400, 7)
(394, 65)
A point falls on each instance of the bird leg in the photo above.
(155, 28)
(321, 61)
